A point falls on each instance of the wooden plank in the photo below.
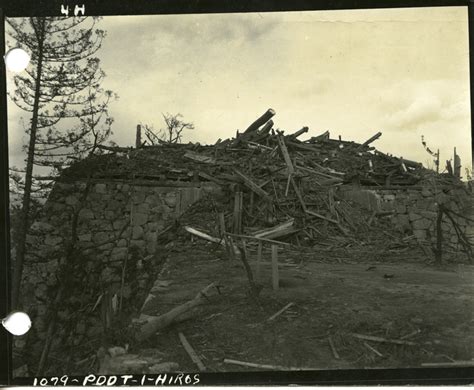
(259, 260)
(286, 156)
(238, 196)
(371, 139)
(260, 121)
(280, 311)
(207, 237)
(276, 231)
(191, 352)
(333, 348)
(267, 366)
(250, 184)
(199, 157)
(275, 277)
(259, 239)
(381, 339)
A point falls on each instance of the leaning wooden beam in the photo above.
(299, 132)
(321, 216)
(284, 152)
(277, 231)
(371, 139)
(254, 187)
(247, 237)
(154, 323)
(260, 121)
(190, 351)
(280, 311)
(207, 237)
(381, 339)
(267, 366)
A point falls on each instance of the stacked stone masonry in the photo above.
(415, 210)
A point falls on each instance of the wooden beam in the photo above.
(260, 121)
(275, 277)
(286, 156)
(371, 139)
(254, 187)
(277, 231)
(259, 239)
(259, 260)
(191, 352)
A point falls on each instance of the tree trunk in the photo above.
(25, 208)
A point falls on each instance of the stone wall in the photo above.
(89, 237)
(414, 209)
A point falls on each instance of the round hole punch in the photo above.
(17, 60)
(17, 323)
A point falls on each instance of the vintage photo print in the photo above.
(194, 194)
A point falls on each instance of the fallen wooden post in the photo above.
(280, 230)
(459, 363)
(372, 349)
(250, 184)
(207, 237)
(154, 323)
(247, 237)
(333, 348)
(190, 351)
(299, 132)
(275, 277)
(381, 339)
(284, 152)
(371, 139)
(267, 366)
(259, 260)
(280, 311)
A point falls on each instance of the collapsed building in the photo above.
(103, 229)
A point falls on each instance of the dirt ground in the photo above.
(373, 296)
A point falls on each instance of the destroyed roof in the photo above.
(259, 152)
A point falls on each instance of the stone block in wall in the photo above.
(118, 253)
(420, 234)
(53, 240)
(421, 224)
(403, 222)
(85, 237)
(109, 215)
(85, 214)
(171, 199)
(137, 232)
(427, 192)
(429, 214)
(100, 237)
(142, 208)
(138, 243)
(139, 219)
(41, 227)
(119, 224)
(114, 205)
(400, 208)
(100, 188)
(414, 216)
(122, 243)
(71, 200)
(153, 200)
(138, 196)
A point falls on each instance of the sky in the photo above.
(404, 72)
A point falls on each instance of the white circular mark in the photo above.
(17, 60)
(17, 323)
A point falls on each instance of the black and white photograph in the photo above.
(240, 192)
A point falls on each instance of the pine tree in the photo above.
(61, 91)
